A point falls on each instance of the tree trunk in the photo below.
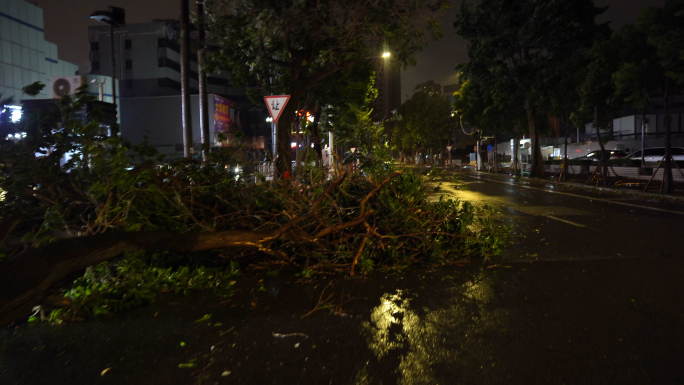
(604, 158)
(316, 134)
(537, 163)
(516, 149)
(668, 182)
(643, 137)
(496, 161)
(185, 79)
(478, 156)
(28, 278)
(565, 152)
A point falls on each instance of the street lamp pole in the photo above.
(111, 44)
(115, 17)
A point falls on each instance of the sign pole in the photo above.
(274, 130)
(276, 105)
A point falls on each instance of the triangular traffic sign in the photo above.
(276, 105)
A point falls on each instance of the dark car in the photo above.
(599, 155)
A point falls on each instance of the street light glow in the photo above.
(385, 55)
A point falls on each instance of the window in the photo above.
(165, 62)
(129, 64)
(127, 44)
(95, 65)
(94, 46)
(166, 43)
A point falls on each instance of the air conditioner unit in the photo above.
(65, 85)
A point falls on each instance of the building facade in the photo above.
(147, 60)
(25, 56)
(147, 64)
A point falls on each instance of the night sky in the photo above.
(66, 24)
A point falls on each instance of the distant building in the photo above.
(147, 64)
(388, 83)
(25, 56)
(148, 60)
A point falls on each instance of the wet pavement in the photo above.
(575, 316)
(556, 221)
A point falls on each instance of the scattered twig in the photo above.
(358, 253)
(320, 301)
(280, 335)
(376, 189)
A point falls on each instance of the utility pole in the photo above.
(185, 78)
(113, 63)
(203, 108)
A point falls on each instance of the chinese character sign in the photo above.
(275, 105)
(222, 121)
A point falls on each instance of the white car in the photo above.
(655, 154)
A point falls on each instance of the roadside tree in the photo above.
(487, 112)
(519, 43)
(426, 122)
(289, 47)
(664, 28)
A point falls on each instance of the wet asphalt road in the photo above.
(560, 309)
(552, 222)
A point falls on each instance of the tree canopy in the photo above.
(290, 46)
(426, 121)
(515, 47)
(639, 62)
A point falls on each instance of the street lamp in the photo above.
(115, 17)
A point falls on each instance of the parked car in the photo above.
(599, 155)
(655, 154)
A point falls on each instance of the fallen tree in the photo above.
(59, 219)
(28, 278)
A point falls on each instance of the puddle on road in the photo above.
(417, 333)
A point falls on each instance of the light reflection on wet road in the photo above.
(426, 333)
(553, 223)
(579, 317)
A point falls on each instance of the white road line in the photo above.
(565, 221)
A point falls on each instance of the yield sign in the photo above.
(276, 105)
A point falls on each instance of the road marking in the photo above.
(565, 221)
(546, 211)
(591, 198)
